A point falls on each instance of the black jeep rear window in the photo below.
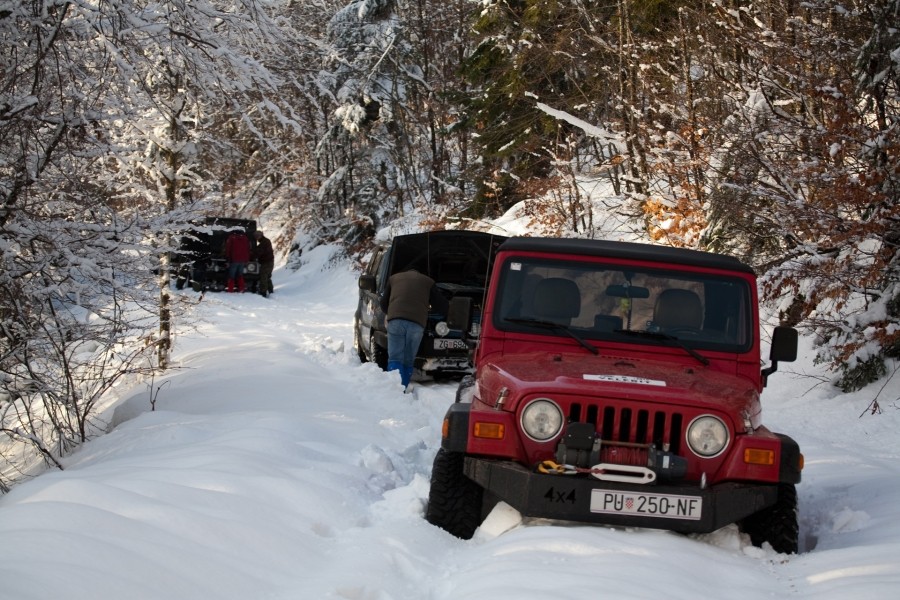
(602, 301)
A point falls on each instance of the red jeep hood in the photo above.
(583, 374)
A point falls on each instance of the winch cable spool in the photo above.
(621, 454)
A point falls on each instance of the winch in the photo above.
(582, 448)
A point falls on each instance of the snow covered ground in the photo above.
(277, 466)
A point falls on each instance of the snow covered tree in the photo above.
(359, 175)
(529, 51)
(811, 185)
(191, 88)
(72, 262)
(114, 119)
(428, 118)
(389, 140)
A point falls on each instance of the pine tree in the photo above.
(528, 51)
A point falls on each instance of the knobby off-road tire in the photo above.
(455, 501)
(379, 355)
(776, 524)
(357, 342)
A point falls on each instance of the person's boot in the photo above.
(240, 283)
(230, 286)
(405, 378)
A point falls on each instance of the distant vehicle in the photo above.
(200, 260)
(459, 262)
(619, 384)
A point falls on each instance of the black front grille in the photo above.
(654, 426)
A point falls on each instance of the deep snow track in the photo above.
(276, 466)
(512, 559)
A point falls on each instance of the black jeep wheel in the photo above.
(454, 501)
(181, 277)
(357, 343)
(377, 354)
(776, 524)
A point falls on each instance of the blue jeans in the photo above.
(404, 338)
(236, 269)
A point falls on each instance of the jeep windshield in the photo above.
(596, 300)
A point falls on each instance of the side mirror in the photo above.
(784, 348)
(459, 315)
(784, 344)
(367, 283)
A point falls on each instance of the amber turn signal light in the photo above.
(493, 431)
(758, 456)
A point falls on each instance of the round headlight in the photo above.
(542, 419)
(442, 328)
(707, 436)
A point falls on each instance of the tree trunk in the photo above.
(172, 184)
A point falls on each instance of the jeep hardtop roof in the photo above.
(626, 250)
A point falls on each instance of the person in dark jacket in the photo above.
(237, 253)
(406, 302)
(266, 257)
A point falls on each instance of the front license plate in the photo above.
(670, 506)
(447, 344)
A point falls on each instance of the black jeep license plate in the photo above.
(670, 506)
(447, 344)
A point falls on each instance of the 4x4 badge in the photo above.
(560, 497)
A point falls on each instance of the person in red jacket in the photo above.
(237, 253)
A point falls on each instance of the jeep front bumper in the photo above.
(682, 508)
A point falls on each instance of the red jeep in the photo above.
(618, 383)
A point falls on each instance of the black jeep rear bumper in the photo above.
(582, 498)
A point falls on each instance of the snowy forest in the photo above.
(768, 130)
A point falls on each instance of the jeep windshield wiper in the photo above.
(656, 335)
(554, 327)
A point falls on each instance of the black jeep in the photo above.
(200, 260)
(459, 262)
